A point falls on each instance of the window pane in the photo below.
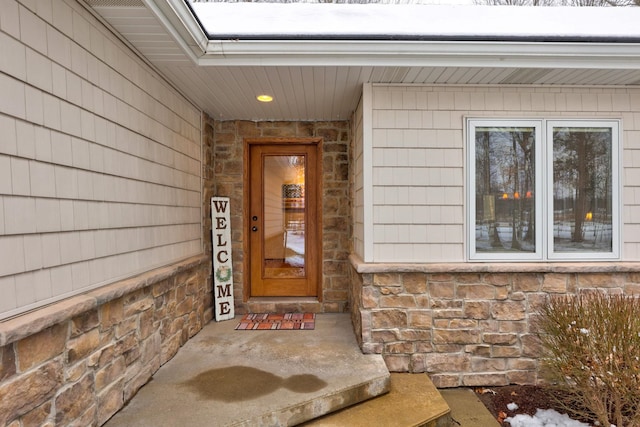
(505, 183)
(582, 189)
(284, 217)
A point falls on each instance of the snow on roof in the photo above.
(417, 22)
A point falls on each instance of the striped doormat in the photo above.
(277, 321)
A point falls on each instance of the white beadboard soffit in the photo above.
(322, 79)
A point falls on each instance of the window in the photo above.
(543, 189)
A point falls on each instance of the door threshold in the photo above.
(283, 305)
(282, 299)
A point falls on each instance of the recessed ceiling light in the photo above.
(264, 98)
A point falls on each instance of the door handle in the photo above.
(254, 228)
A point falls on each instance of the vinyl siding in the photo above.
(100, 159)
(358, 184)
(419, 159)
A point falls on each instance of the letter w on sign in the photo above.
(222, 264)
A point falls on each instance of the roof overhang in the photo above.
(380, 48)
(222, 72)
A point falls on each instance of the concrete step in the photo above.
(466, 409)
(413, 401)
(224, 377)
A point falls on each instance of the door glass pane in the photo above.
(505, 183)
(582, 189)
(284, 217)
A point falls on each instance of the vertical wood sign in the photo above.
(222, 266)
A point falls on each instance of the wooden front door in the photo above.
(284, 221)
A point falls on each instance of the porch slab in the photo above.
(225, 377)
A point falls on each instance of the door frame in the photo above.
(246, 223)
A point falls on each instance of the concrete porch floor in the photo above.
(224, 377)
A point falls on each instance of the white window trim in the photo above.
(543, 207)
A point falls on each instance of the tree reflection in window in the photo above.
(582, 189)
(505, 182)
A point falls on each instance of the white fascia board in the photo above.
(422, 53)
(180, 23)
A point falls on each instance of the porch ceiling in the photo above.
(322, 80)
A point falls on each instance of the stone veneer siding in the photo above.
(468, 325)
(229, 172)
(77, 362)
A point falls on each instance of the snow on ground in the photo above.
(544, 418)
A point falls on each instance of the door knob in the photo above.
(254, 228)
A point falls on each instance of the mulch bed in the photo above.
(529, 399)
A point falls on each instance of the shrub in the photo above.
(593, 354)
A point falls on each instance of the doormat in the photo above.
(277, 321)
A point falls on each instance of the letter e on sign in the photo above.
(223, 308)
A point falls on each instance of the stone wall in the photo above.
(77, 362)
(229, 172)
(465, 327)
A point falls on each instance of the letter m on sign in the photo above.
(223, 308)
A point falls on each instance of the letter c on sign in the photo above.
(220, 255)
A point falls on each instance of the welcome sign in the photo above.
(222, 265)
